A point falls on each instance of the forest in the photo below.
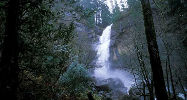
(93, 49)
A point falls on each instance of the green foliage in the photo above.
(76, 79)
(2, 4)
(105, 15)
(2, 20)
(91, 8)
(135, 14)
(44, 48)
(87, 14)
(116, 13)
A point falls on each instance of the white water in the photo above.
(104, 71)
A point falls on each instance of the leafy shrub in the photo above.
(75, 80)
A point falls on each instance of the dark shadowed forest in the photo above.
(93, 49)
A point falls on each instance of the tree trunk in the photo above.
(151, 94)
(158, 78)
(171, 78)
(182, 87)
(8, 62)
(90, 97)
(144, 72)
(167, 78)
(144, 92)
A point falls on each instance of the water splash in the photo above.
(104, 71)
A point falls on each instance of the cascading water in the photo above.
(104, 71)
(103, 53)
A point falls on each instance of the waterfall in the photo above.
(103, 53)
(104, 71)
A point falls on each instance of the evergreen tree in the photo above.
(9, 61)
(156, 66)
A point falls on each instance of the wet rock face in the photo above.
(115, 86)
(98, 30)
(121, 44)
(114, 35)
